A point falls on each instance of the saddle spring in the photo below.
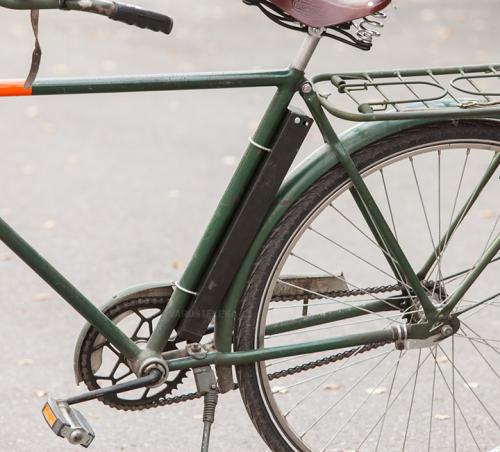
(368, 27)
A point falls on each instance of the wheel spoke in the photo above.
(485, 408)
(330, 373)
(394, 230)
(412, 399)
(453, 397)
(388, 400)
(335, 299)
(431, 416)
(360, 406)
(455, 202)
(396, 397)
(321, 383)
(357, 256)
(481, 354)
(351, 388)
(384, 251)
(423, 208)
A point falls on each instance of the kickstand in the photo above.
(206, 383)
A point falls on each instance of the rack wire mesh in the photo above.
(469, 91)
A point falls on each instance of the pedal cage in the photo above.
(68, 423)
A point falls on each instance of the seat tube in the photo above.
(186, 288)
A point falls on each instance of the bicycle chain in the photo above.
(354, 292)
(166, 401)
(275, 375)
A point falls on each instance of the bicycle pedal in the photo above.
(68, 423)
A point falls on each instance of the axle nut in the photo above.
(447, 330)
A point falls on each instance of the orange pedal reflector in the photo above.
(49, 415)
(14, 88)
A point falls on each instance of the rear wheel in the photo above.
(439, 397)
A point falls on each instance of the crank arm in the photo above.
(69, 423)
(152, 378)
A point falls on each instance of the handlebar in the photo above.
(128, 14)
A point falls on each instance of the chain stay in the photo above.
(166, 401)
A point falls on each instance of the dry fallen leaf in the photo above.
(32, 111)
(59, 69)
(443, 33)
(253, 124)
(375, 391)
(173, 194)
(28, 170)
(108, 65)
(442, 359)
(25, 362)
(49, 127)
(229, 160)
(6, 256)
(487, 214)
(471, 385)
(49, 224)
(334, 386)
(442, 417)
(177, 265)
(73, 159)
(280, 390)
(40, 393)
(428, 15)
(41, 297)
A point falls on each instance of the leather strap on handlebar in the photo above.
(37, 52)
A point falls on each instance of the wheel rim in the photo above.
(340, 399)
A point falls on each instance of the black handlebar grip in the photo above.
(142, 18)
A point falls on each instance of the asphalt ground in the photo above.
(116, 189)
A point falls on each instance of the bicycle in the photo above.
(264, 269)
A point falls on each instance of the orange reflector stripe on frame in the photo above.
(14, 88)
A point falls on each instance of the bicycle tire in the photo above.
(258, 397)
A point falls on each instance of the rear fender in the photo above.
(298, 181)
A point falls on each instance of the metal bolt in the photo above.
(447, 330)
(196, 347)
(297, 120)
(307, 88)
(400, 345)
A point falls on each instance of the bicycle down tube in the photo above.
(286, 80)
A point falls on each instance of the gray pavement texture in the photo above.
(116, 189)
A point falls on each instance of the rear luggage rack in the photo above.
(467, 91)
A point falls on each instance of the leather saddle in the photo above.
(323, 13)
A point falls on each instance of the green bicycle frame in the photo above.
(287, 82)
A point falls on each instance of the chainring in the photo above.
(102, 365)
